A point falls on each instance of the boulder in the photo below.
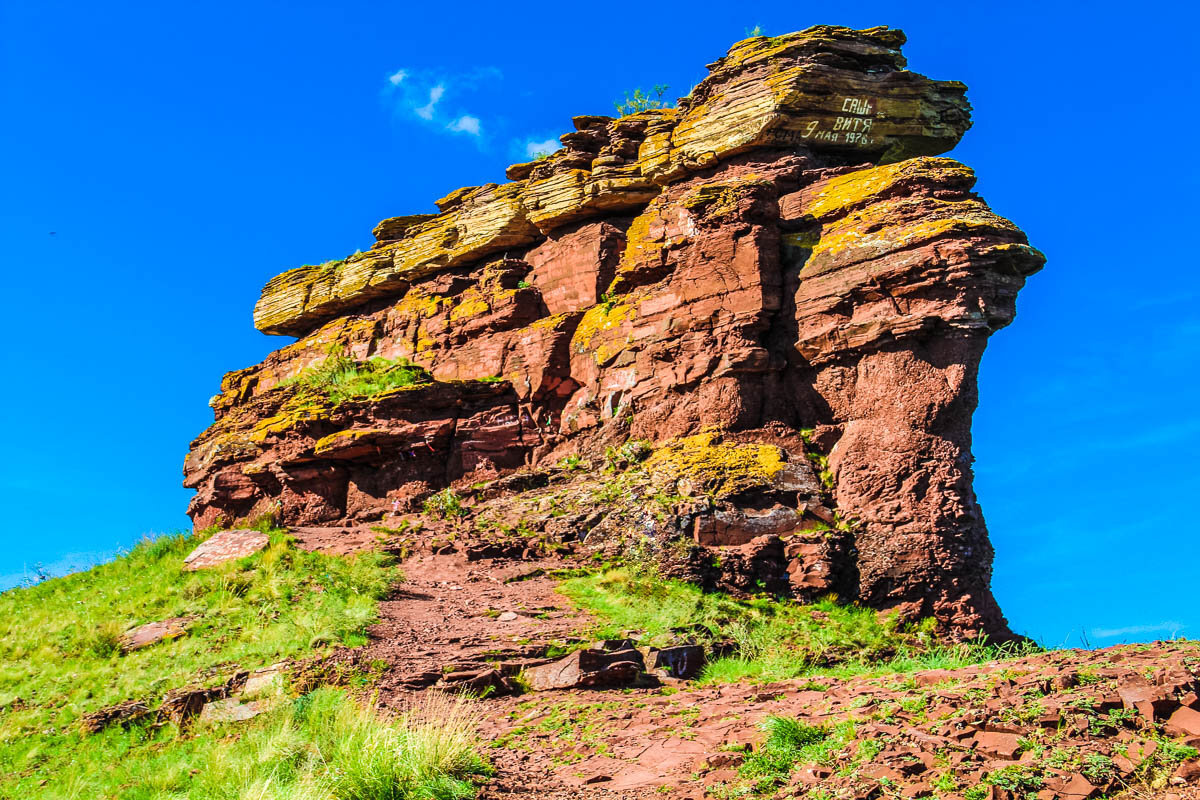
(155, 632)
(225, 546)
(589, 668)
(233, 709)
(479, 683)
(679, 661)
(1184, 722)
(997, 744)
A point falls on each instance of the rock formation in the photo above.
(782, 262)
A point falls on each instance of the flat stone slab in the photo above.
(154, 632)
(225, 546)
(232, 709)
(267, 682)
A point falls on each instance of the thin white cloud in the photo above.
(443, 100)
(465, 124)
(435, 94)
(1136, 630)
(535, 149)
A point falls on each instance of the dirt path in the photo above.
(451, 616)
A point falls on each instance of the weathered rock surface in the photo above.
(154, 632)
(827, 88)
(780, 263)
(486, 220)
(587, 668)
(225, 546)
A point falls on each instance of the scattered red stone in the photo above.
(971, 723)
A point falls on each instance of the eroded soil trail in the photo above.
(453, 617)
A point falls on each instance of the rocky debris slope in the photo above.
(782, 258)
(1066, 724)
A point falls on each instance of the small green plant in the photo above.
(755, 31)
(445, 504)
(523, 284)
(572, 463)
(642, 101)
(1156, 769)
(788, 741)
(945, 783)
(1016, 778)
(104, 641)
(1098, 769)
(1115, 720)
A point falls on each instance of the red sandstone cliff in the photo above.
(781, 264)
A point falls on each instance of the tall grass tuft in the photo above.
(324, 745)
(342, 378)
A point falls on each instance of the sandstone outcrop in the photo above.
(782, 262)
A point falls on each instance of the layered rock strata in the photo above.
(781, 254)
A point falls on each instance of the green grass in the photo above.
(788, 742)
(445, 504)
(773, 639)
(59, 651)
(342, 378)
(322, 746)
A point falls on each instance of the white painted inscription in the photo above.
(853, 128)
(856, 105)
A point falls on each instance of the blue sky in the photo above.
(182, 155)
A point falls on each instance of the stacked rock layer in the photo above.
(783, 252)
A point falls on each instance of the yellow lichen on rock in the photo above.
(483, 221)
(895, 225)
(711, 466)
(291, 415)
(835, 196)
(782, 92)
(595, 329)
(551, 200)
(340, 440)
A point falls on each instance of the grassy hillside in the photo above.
(60, 658)
(770, 639)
